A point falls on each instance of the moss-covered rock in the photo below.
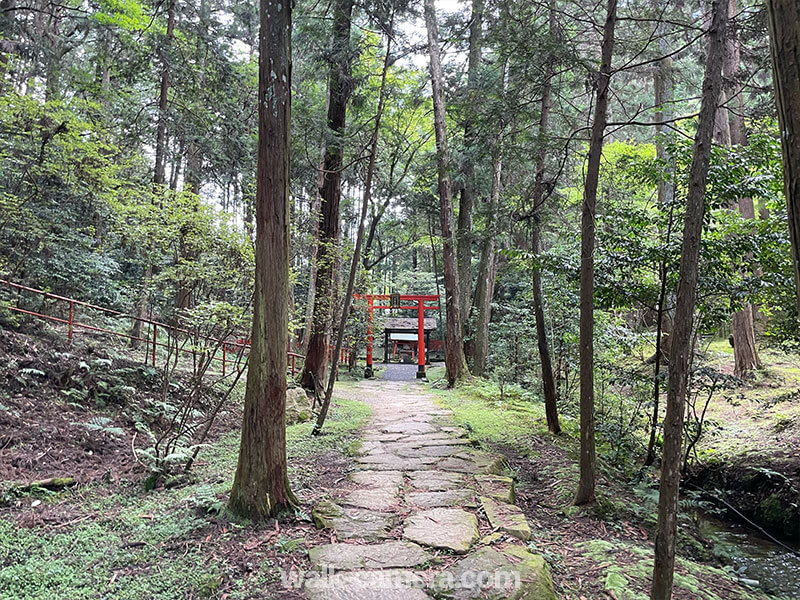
(509, 574)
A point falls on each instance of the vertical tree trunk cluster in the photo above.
(663, 92)
(365, 200)
(681, 347)
(548, 381)
(586, 483)
(467, 198)
(160, 168)
(730, 131)
(340, 88)
(487, 271)
(784, 28)
(261, 485)
(455, 362)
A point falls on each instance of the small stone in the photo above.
(506, 518)
(455, 431)
(348, 557)
(367, 585)
(450, 528)
(298, 406)
(498, 487)
(490, 539)
(510, 574)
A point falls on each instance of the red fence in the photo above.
(150, 340)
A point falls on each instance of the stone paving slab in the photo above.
(413, 497)
(392, 462)
(379, 499)
(416, 442)
(436, 481)
(349, 522)
(367, 585)
(506, 518)
(498, 487)
(448, 528)
(378, 479)
(431, 451)
(349, 557)
(463, 497)
(512, 573)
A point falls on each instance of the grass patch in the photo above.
(510, 420)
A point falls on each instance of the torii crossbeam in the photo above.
(420, 303)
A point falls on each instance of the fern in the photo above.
(101, 424)
(29, 371)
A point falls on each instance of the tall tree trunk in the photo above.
(745, 352)
(316, 361)
(261, 485)
(585, 492)
(666, 531)
(484, 287)
(663, 91)
(455, 363)
(548, 381)
(316, 206)
(784, 28)
(7, 35)
(161, 127)
(373, 155)
(187, 252)
(467, 197)
(159, 170)
(487, 267)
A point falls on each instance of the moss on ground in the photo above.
(164, 544)
(620, 562)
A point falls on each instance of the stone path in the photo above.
(424, 515)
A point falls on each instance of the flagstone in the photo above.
(449, 528)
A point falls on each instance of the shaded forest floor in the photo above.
(107, 536)
(599, 552)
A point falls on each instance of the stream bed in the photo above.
(756, 558)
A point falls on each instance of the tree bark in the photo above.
(455, 363)
(663, 91)
(784, 27)
(7, 34)
(548, 381)
(161, 127)
(261, 485)
(731, 124)
(316, 361)
(466, 202)
(585, 493)
(159, 171)
(316, 209)
(484, 286)
(373, 155)
(681, 349)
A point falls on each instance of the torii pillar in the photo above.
(368, 372)
(421, 339)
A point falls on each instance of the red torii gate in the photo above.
(403, 302)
